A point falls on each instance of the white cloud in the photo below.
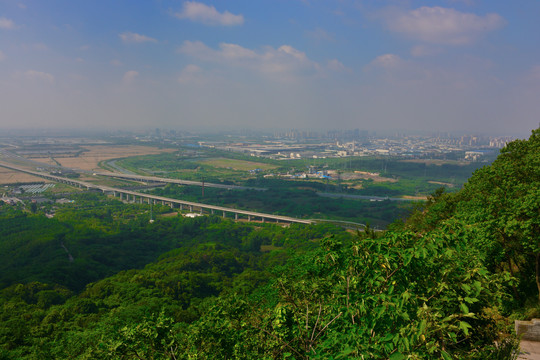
(336, 65)
(130, 38)
(191, 74)
(6, 24)
(130, 76)
(208, 15)
(283, 62)
(387, 61)
(39, 75)
(439, 25)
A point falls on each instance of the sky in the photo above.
(468, 66)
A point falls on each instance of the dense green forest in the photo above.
(99, 281)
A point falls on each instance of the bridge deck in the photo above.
(157, 198)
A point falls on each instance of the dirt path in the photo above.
(530, 350)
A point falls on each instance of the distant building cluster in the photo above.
(358, 143)
(304, 144)
(354, 134)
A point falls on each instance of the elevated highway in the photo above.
(143, 178)
(173, 203)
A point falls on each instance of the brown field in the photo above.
(90, 159)
(414, 197)
(360, 175)
(8, 176)
(441, 183)
(171, 214)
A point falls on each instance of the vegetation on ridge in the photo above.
(440, 285)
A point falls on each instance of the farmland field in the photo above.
(8, 176)
(90, 159)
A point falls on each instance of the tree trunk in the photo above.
(538, 274)
(509, 259)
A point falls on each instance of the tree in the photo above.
(404, 295)
(503, 202)
(151, 338)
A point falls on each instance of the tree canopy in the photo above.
(440, 285)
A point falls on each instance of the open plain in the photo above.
(8, 176)
(93, 155)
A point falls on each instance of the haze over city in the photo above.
(451, 65)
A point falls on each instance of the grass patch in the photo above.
(235, 164)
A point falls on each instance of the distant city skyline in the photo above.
(464, 66)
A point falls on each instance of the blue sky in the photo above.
(449, 65)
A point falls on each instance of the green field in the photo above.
(236, 164)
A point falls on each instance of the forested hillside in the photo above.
(444, 284)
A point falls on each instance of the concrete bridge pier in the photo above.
(181, 207)
(224, 214)
(121, 196)
(249, 217)
(263, 220)
(172, 205)
(235, 216)
(190, 208)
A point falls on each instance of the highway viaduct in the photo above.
(143, 178)
(181, 204)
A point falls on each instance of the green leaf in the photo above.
(465, 327)
(422, 326)
(445, 355)
(397, 356)
(406, 343)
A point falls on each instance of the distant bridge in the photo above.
(142, 197)
(143, 178)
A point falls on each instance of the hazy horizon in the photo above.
(464, 66)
